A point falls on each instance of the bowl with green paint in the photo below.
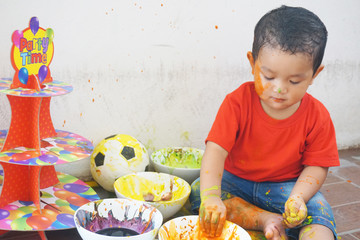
(183, 162)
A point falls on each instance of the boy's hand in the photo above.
(295, 211)
(212, 215)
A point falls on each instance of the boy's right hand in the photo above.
(212, 215)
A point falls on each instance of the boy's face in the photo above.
(281, 80)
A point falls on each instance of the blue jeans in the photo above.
(270, 196)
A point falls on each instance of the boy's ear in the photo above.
(320, 68)
(251, 61)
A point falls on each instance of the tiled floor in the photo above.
(342, 190)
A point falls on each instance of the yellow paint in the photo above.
(209, 189)
(134, 186)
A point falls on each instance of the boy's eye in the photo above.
(268, 78)
(294, 82)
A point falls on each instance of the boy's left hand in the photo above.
(295, 211)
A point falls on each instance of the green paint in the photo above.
(178, 157)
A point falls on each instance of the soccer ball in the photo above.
(116, 156)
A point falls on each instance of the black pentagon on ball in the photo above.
(99, 159)
(128, 152)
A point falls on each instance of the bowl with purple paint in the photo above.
(118, 219)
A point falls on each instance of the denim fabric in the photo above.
(270, 196)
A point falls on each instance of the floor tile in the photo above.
(350, 173)
(356, 234)
(347, 217)
(332, 178)
(347, 237)
(341, 193)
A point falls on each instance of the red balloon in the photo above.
(63, 194)
(38, 222)
(77, 200)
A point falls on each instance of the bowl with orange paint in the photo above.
(187, 227)
(166, 192)
(118, 219)
(184, 162)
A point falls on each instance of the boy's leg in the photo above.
(272, 197)
(315, 232)
(251, 217)
(240, 211)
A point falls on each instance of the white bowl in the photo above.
(136, 185)
(187, 227)
(184, 162)
(117, 214)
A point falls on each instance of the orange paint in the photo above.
(259, 88)
(216, 27)
(192, 231)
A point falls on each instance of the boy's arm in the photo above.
(309, 182)
(212, 210)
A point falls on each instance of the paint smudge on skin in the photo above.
(259, 88)
(305, 231)
(209, 189)
(310, 179)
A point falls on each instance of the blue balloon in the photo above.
(23, 75)
(34, 25)
(42, 73)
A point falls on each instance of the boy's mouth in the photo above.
(278, 100)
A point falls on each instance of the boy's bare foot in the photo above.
(272, 225)
(251, 217)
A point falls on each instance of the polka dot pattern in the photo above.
(24, 130)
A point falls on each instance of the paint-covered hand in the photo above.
(212, 215)
(295, 211)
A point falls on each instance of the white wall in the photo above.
(158, 70)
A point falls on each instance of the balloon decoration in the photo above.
(34, 25)
(42, 73)
(16, 36)
(49, 34)
(23, 75)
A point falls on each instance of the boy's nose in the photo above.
(279, 88)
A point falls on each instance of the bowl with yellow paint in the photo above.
(184, 162)
(187, 227)
(166, 192)
(118, 219)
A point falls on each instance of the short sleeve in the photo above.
(226, 125)
(320, 146)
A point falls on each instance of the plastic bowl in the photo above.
(184, 162)
(119, 218)
(141, 184)
(187, 227)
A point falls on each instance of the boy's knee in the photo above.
(316, 232)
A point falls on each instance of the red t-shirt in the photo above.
(265, 149)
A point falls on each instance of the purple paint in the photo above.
(91, 221)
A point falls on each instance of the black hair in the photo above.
(292, 29)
